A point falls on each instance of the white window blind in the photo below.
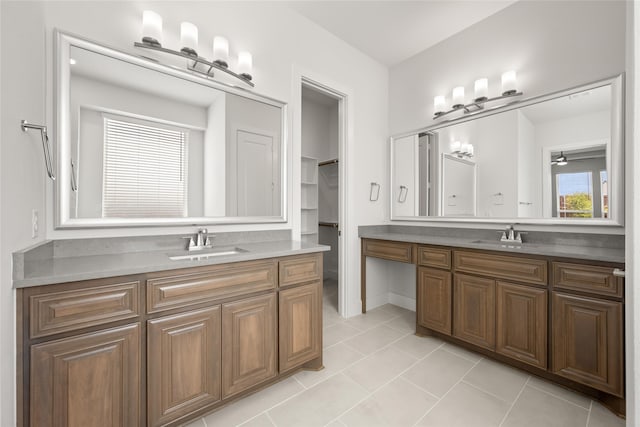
(144, 170)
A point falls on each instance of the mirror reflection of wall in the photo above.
(513, 152)
(145, 144)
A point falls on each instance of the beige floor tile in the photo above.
(560, 392)
(438, 372)
(197, 423)
(417, 346)
(371, 319)
(497, 379)
(466, 406)
(535, 408)
(330, 316)
(319, 405)
(405, 322)
(250, 406)
(335, 359)
(374, 339)
(467, 354)
(396, 310)
(379, 368)
(336, 423)
(261, 420)
(602, 417)
(337, 333)
(398, 403)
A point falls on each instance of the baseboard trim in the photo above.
(402, 301)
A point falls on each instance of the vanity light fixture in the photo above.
(462, 150)
(152, 36)
(481, 96)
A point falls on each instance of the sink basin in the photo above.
(210, 253)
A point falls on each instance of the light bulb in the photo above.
(189, 38)
(151, 28)
(245, 65)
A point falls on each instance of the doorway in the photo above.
(322, 129)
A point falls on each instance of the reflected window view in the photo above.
(575, 195)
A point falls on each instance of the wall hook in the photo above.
(48, 162)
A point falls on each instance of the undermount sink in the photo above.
(210, 253)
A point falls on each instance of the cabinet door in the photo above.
(300, 325)
(587, 341)
(183, 364)
(90, 380)
(474, 310)
(434, 299)
(248, 343)
(521, 323)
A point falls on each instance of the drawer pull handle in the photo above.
(618, 272)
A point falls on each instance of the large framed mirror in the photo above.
(143, 144)
(555, 159)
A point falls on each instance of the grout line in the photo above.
(467, 358)
(514, 401)
(270, 419)
(448, 391)
(589, 414)
(562, 398)
(487, 392)
(204, 422)
(419, 388)
(298, 381)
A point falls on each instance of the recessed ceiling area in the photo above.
(392, 31)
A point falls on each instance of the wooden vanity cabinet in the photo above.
(183, 364)
(249, 343)
(434, 299)
(88, 380)
(521, 323)
(474, 307)
(160, 349)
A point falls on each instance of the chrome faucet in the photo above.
(511, 235)
(202, 241)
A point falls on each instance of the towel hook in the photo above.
(403, 191)
(48, 162)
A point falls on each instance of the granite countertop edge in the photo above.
(72, 269)
(561, 251)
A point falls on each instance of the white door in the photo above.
(255, 174)
(458, 187)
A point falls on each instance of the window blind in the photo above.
(144, 170)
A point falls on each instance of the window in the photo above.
(604, 194)
(574, 195)
(144, 169)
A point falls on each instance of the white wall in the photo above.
(553, 45)
(284, 44)
(529, 172)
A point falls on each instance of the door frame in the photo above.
(346, 297)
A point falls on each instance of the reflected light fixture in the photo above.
(152, 37)
(481, 96)
(561, 160)
(462, 149)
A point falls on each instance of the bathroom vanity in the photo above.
(556, 311)
(163, 347)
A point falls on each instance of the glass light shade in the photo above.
(151, 27)
(471, 150)
(458, 97)
(455, 146)
(189, 38)
(220, 50)
(465, 147)
(481, 89)
(509, 83)
(245, 64)
(438, 105)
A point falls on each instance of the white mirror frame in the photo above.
(62, 186)
(616, 159)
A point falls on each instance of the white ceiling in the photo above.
(392, 31)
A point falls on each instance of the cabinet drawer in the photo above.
(64, 311)
(587, 278)
(504, 267)
(300, 269)
(434, 257)
(394, 251)
(223, 281)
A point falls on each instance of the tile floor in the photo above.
(378, 373)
